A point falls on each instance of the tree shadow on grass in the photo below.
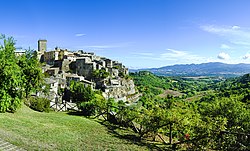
(128, 135)
(76, 113)
(79, 113)
(131, 137)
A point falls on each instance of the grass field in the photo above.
(32, 130)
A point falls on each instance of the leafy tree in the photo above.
(100, 74)
(32, 72)
(80, 92)
(82, 96)
(10, 76)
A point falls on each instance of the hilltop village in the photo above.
(62, 66)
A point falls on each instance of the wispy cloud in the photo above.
(80, 35)
(223, 30)
(236, 27)
(223, 56)
(170, 56)
(224, 46)
(177, 55)
(235, 34)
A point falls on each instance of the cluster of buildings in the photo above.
(62, 66)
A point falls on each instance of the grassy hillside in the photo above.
(32, 130)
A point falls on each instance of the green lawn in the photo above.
(32, 130)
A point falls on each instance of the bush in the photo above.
(88, 108)
(39, 104)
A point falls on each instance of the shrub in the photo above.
(39, 104)
(88, 108)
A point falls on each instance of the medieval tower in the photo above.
(42, 46)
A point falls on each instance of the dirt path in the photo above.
(170, 92)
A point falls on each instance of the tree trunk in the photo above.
(170, 134)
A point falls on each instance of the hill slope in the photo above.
(204, 69)
(32, 130)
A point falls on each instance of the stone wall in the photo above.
(120, 92)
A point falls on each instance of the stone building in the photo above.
(79, 66)
(85, 67)
(51, 56)
(74, 77)
(19, 52)
(42, 47)
(52, 71)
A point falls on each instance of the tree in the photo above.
(83, 97)
(80, 93)
(10, 76)
(32, 73)
(100, 74)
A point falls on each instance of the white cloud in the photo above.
(236, 27)
(170, 56)
(223, 56)
(180, 56)
(80, 35)
(247, 56)
(224, 46)
(223, 30)
(234, 34)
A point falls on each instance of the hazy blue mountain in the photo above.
(204, 69)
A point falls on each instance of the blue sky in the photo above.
(139, 33)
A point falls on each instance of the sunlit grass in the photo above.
(58, 131)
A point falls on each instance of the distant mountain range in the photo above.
(204, 69)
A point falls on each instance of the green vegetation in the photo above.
(10, 76)
(16, 74)
(38, 104)
(146, 81)
(84, 97)
(59, 131)
(217, 120)
(100, 74)
(32, 73)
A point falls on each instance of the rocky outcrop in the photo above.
(120, 89)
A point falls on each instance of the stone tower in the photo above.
(42, 46)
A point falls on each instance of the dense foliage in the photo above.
(87, 100)
(146, 81)
(10, 75)
(38, 104)
(18, 74)
(32, 73)
(218, 120)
